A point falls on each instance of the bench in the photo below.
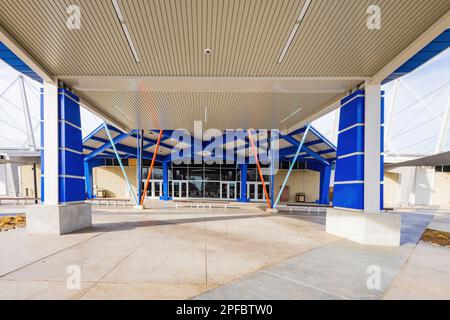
(111, 201)
(205, 205)
(17, 200)
(307, 209)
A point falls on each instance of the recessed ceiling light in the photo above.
(300, 18)
(291, 115)
(125, 30)
(118, 11)
(208, 51)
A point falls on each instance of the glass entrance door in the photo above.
(228, 190)
(155, 189)
(180, 189)
(255, 191)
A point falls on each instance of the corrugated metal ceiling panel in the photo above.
(246, 37)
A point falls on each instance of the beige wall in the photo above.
(439, 188)
(112, 180)
(27, 180)
(441, 194)
(300, 181)
(391, 189)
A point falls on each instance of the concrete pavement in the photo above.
(225, 254)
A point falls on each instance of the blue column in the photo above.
(272, 172)
(139, 145)
(89, 165)
(165, 196)
(41, 127)
(88, 180)
(71, 169)
(382, 154)
(325, 176)
(349, 175)
(71, 166)
(243, 196)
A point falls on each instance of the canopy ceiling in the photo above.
(164, 79)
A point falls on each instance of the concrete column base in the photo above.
(272, 211)
(379, 229)
(58, 219)
(139, 207)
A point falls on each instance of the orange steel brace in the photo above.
(255, 154)
(155, 153)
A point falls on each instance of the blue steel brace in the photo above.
(299, 149)
(120, 163)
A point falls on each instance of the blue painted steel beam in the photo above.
(15, 62)
(152, 142)
(120, 163)
(120, 147)
(92, 149)
(291, 167)
(107, 145)
(93, 133)
(322, 137)
(295, 142)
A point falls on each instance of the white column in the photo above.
(372, 148)
(51, 147)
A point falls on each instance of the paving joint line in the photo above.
(61, 250)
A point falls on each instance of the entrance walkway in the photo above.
(197, 253)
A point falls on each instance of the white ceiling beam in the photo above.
(27, 58)
(97, 111)
(422, 41)
(324, 109)
(213, 84)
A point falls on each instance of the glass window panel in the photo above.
(232, 190)
(212, 174)
(251, 174)
(228, 174)
(285, 165)
(196, 189)
(212, 189)
(157, 173)
(196, 174)
(184, 186)
(144, 172)
(179, 173)
(157, 189)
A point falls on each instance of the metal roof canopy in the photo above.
(96, 145)
(442, 159)
(274, 64)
